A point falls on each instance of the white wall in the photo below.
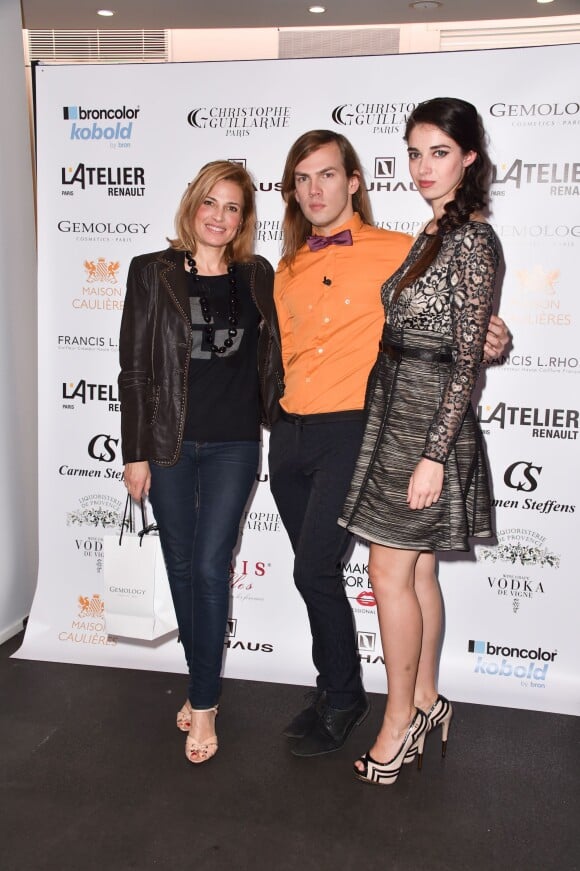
(18, 336)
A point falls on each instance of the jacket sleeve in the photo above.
(270, 370)
(136, 391)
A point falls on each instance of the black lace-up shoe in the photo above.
(305, 720)
(331, 728)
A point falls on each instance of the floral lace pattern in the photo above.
(453, 298)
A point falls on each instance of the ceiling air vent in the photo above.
(97, 46)
(338, 43)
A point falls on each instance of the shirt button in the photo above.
(309, 308)
(326, 320)
(321, 350)
(308, 380)
(347, 302)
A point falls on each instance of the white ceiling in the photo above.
(176, 14)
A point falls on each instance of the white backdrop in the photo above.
(108, 187)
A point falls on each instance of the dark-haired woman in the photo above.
(196, 318)
(421, 482)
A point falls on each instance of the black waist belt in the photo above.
(328, 417)
(396, 353)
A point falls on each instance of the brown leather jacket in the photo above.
(155, 349)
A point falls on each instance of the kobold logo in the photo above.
(97, 131)
(530, 673)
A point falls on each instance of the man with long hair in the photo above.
(327, 296)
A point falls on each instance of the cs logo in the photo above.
(102, 448)
(522, 476)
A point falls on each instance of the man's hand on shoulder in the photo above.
(497, 339)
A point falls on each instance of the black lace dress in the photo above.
(419, 400)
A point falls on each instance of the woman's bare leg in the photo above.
(392, 574)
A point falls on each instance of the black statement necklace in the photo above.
(233, 313)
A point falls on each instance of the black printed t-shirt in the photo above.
(223, 389)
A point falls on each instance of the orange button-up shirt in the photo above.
(330, 331)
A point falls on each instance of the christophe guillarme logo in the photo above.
(239, 120)
(380, 117)
(114, 181)
(528, 665)
(111, 124)
(552, 114)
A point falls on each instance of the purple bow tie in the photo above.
(316, 243)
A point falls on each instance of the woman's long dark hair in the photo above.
(461, 122)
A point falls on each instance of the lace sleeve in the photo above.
(472, 273)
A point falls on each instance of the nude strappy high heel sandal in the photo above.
(201, 751)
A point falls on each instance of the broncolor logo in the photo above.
(239, 120)
(530, 673)
(382, 117)
(95, 131)
(119, 181)
(524, 547)
(563, 179)
(384, 167)
(542, 423)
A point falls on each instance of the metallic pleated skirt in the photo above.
(404, 392)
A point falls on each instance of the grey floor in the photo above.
(93, 776)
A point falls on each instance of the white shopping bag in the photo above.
(137, 597)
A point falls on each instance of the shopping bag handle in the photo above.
(128, 521)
